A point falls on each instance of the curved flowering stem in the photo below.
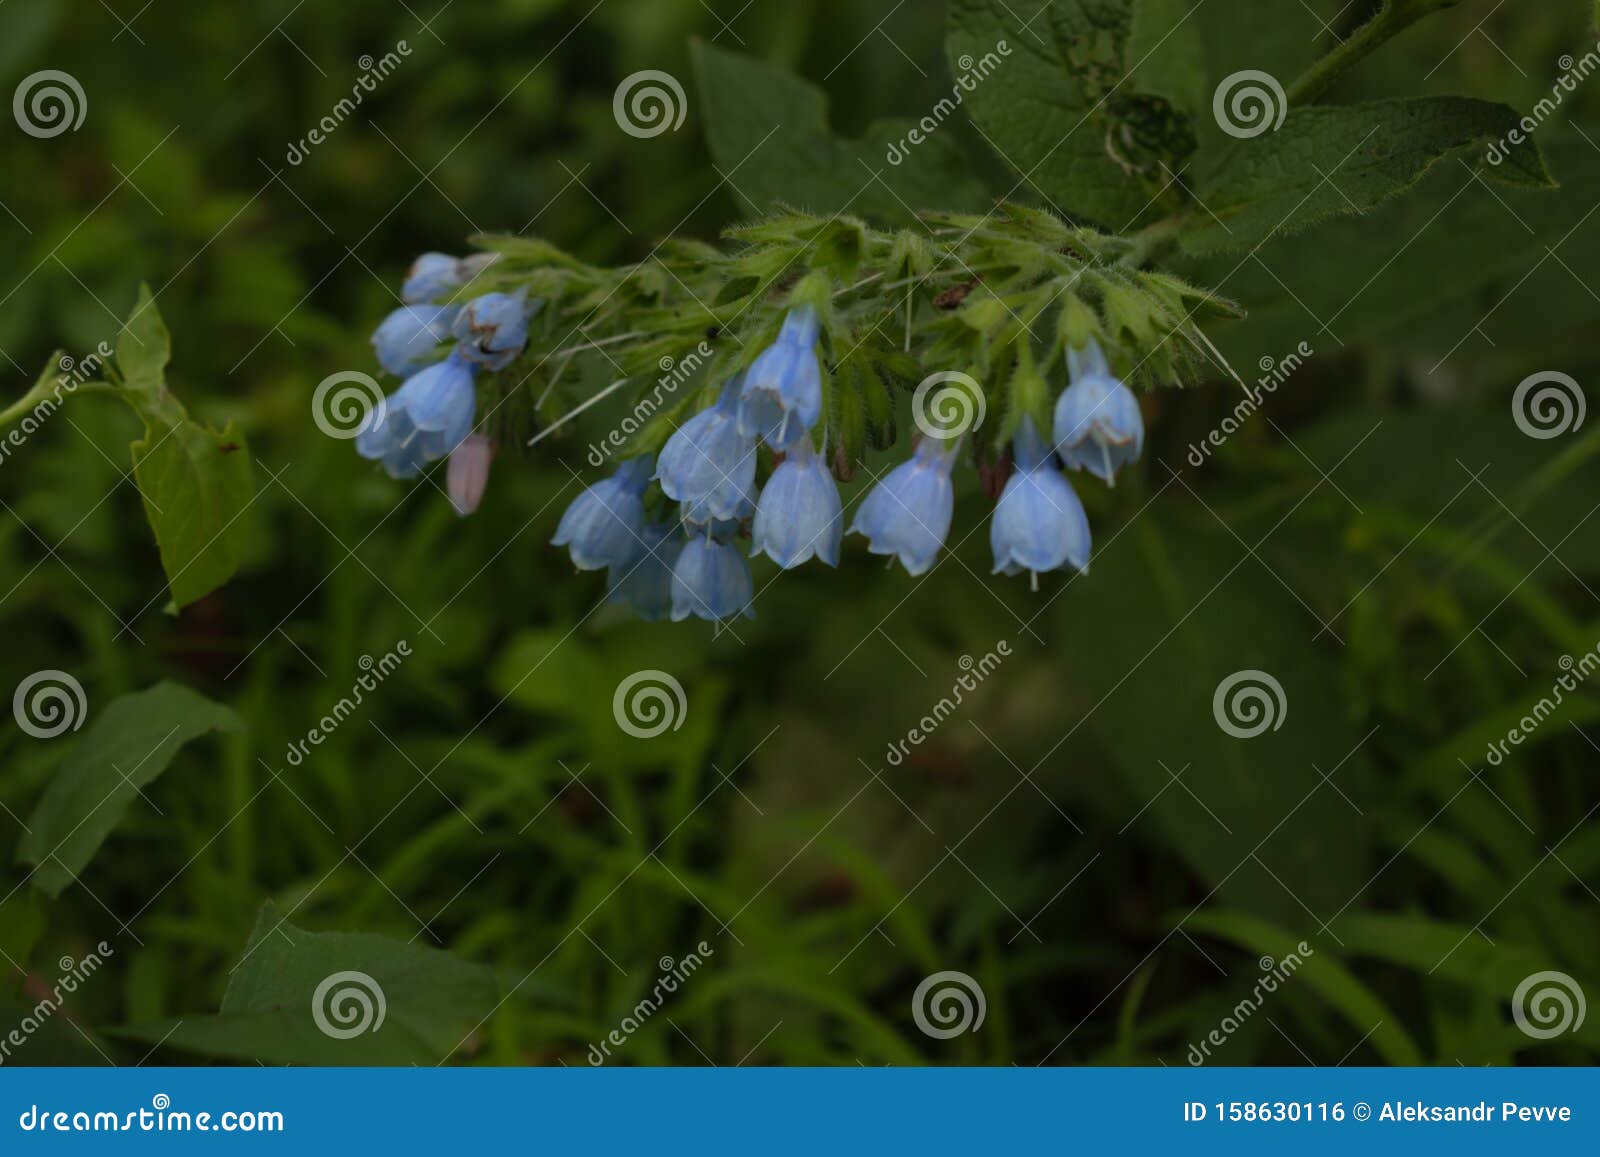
(962, 294)
(762, 371)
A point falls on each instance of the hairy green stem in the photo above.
(1152, 241)
(42, 390)
(1394, 18)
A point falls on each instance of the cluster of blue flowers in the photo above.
(431, 415)
(687, 565)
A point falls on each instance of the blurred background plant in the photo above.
(1081, 838)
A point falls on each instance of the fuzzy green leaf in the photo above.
(430, 1001)
(195, 481)
(1332, 161)
(129, 744)
(1439, 297)
(769, 133)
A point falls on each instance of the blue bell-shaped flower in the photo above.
(781, 398)
(1098, 425)
(907, 514)
(1039, 524)
(708, 464)
(406, 339)
(603, 526)
(799, 514)
(712, 581)
(431, 276)
(493, 329)
(422, 421)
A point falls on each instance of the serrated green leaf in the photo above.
(195, 482)
(769, 132)
(128, 745)
(430, 1001)
(1084, 121)
(1333, 161)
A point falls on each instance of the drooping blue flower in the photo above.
(493, 329)
(603, 526)
(1098, 425)
(406, 338)
(422, 421)
(782, 394)
(432, 276)
(708, 464)
(799, 514)
(711, 580)
(644, 583)
(908, 512)
(1039, 524)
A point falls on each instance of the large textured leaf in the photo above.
(1326, 162)
(1164, 618)
(127, 746)
(1089, 107)
(1402, 275)
(301, 997)
(769, 133)
(195, 481)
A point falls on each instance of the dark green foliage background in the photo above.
(485, 803)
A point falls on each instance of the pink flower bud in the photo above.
(468, 472)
